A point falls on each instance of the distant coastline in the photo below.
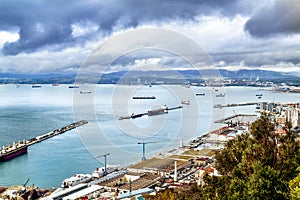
(259, 78)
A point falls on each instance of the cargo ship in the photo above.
(144, 97)
(186, 102)
(10, 152)
(220, 95)
(85, 92)
(162, 110)
(73, 86)
(36, 86)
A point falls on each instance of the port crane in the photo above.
(104, 155)
(24, 186)
(143, 148)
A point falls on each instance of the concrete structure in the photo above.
(293, 115)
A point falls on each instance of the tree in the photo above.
(294, 186)
(258, 164)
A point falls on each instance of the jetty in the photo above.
(11, 151)
(162, 110)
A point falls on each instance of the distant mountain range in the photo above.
(240, 74)
(166, 75)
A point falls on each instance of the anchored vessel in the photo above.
(220, 95)
(186, 102)
(17, 149)
(36, 86)
(144, 97)
(73, 86)
(85, 92)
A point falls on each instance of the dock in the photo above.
(238, 118)
(20, 148)
(55, 132)
(162, 110)
(234, 105)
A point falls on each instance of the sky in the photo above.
(54, 36)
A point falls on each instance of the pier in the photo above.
(17, 149)
(55, 132)
(162, 110)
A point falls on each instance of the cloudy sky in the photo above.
(54, 36)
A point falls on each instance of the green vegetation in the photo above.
(256, 165)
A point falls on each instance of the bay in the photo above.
(27, 112)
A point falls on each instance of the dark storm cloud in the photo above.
(41, 24)
(282, 17)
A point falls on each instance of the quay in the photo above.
(238, 119)
(19, 148)
(235, 104)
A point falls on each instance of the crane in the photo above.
(237, 118)
(24, 186)
(143, 150)
(104, 155)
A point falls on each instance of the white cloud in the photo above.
(67, 60)
(221, 37)
(6, 36)
(84, 29)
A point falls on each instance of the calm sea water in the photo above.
(27, 112)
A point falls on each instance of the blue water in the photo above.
(26, 112)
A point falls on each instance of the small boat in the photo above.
(259, 95)
(85, 92)
(55, 84)
(144, 97)
(73, 86)
(36, 86)
(186, 102)
(200, 94)
(75, 180)
(220, 95)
